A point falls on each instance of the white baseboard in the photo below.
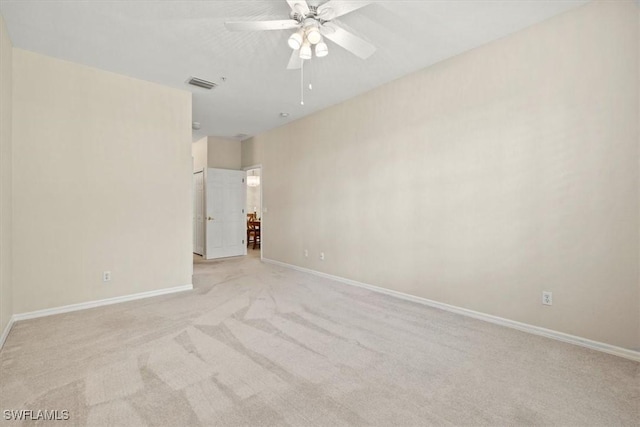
(536, 330)
(99, 303)
(5, 332)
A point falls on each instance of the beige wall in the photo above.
(102, 181)
(480, 181)
(199, 153)
(6, 298)
(223, 153)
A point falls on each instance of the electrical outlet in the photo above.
(106, 276)
(547, 298)
(306, 253)
(322, 256)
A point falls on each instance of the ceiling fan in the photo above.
(313, 24)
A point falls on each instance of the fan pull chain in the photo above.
(302, 83)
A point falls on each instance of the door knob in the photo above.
(210, 218)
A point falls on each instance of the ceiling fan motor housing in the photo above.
(301, 17)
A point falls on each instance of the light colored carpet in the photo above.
(256, 344)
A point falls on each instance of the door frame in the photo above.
(262, 211)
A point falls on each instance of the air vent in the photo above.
(205, 84)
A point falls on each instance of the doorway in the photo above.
(254, 209)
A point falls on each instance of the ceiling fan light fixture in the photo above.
(305, 51)
(295, 40)
(313, 35)
(322, 49)
(312, 30)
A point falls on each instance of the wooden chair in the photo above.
(251, 231)
(256, 233)
(251, 217)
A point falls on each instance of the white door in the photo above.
(198, 213)
(225, 216)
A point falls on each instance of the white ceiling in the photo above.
(169, 41)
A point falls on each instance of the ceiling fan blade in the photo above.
(295, 62)
(335, 8)
(327, 28)
(354, 44)
(299, 6)
(283, 24)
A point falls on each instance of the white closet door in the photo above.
(225, 216)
